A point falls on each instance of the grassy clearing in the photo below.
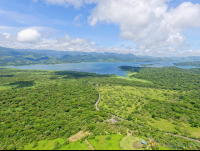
(44, 144)
(164, 148)
(194, 131)
(78, 136)
(5, 87)
(163, 125)
(127, 142)
(132, 78)
(76, 146)
(167, 126)
(100, 142)
(49, 144)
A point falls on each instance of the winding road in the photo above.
(114, 116)
(184, 137)
(96, 104)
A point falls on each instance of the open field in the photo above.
(44, 144)
(76, 146)
(127, 142)
(163, 125)
(100, 142)
(78, 136)
(49, 144)
(132, 78)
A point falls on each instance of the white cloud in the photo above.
(149, 23)
(6, 35)
(28, 35)
(186, 15)
(69, 44)
(77, 20)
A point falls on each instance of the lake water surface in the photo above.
(96, 67)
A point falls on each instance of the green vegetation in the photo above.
(59, 143)
(195, 63)
(76, 146)
(127, 142)
(10, 57)
(106, 142)
(44, 105)
(50, 109)
(146, 65)
(13, 57)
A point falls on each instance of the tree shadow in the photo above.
(39, 59)
(21, 84)
(75, 74)
(130, 68)
(6, 75)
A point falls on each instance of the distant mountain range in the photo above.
(12, 57)
(18, 57)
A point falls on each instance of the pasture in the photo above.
(101, 143)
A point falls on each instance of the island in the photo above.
(146, 65)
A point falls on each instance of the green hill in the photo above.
(12, 57)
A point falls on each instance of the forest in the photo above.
(38, 106)
(194, 63)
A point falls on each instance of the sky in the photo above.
(140, 27)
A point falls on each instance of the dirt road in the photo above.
(89, 144)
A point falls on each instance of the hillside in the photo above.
(19, 57)
(12, 57)
(195, 63)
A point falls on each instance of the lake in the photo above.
(96, 67)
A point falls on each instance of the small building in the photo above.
(143, 142)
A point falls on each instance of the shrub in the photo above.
(91, 136)
(56, 146)
(66, 142)
(108, 137)
(35, 144)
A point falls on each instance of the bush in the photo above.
(82, 139)
(35, 144)
(91, 136)
(108, 137)
(56, 146)
(66, 142)
(90, 126)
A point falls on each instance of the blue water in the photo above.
(96, 67)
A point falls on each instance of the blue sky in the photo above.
(102, 26)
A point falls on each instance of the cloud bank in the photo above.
(148, 23)
(152, 25)
(32, 38)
